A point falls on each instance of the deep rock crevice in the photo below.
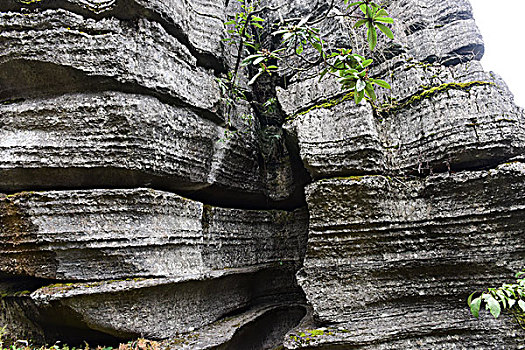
(133, 212)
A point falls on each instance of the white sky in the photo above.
(500, 23)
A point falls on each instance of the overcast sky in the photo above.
(501, 24)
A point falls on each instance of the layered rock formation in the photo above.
(128, 210)
(415, 203)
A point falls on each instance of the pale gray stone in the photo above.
(464, 124)
(391, 257)
(153, 308)
(199, 24)
(116, 234)
(144, 56)
(114, 139)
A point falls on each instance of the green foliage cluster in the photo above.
(510, 297)
(295, 35)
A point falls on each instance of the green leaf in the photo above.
(287, 36)
(257, 19)
(384, 20)
(369, 12)
(385, 30)
(353, 3)
(469, 299)
(382, 13)
(512, 302)
(318, 46)
(282, 31)
(258, 60)
(299, 49)
(369, 89)
(366, 63)
(360, 23)
(303, 21)
(521, 304)
(255, 77)
(323, 73)
(474, 306)
(382, 83)
(358, 96)
(502, 297)
(371, 37)
(493, 306)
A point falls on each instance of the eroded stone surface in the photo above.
(339, 140)
(262, 327)
(123, 140)
(155, 308)
(456, 125)
(115, 234)
(391, 257)
(198, 23)
(139, 56)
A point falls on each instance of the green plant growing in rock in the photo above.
(285, 52)
(296, 34)
(509, 297)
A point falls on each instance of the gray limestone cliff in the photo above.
(126, 212)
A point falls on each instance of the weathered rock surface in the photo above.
(262, 327)
(111, 113)
(195, 253)
(391, 257)
(395, 258)
(156, 308)
(197, 24)
(42, 46)
(455, 126)
(112, 139)
(116, 234)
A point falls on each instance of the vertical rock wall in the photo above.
(123, 215)
(416, 203)
(125, 211)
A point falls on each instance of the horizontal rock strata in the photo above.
(197, 24)
(112, 139)
(455, 125)
(154, 308)
(394, 258)
(142, 56)
(262, 327)
(108, 234)
(165, 249)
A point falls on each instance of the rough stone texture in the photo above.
(198, 24)
(116, 234)
(339, 140)
(156, 308)
(147, 57)
(111, 111)
(88, 140)
(453, 129)
(260, 328)
(392, 258)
